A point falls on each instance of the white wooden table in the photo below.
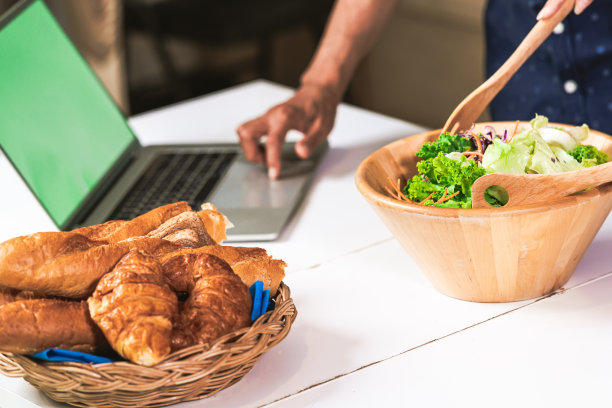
(371, 331)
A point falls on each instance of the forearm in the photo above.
(351, 32)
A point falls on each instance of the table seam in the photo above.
(342, 255)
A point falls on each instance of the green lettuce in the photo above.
(456, 174)
(503, 157)
(539, 121)
(543, 160)
(566, 161)
(446, 143)
(528, 152)
(589, 155)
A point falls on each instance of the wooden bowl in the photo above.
(486, 255)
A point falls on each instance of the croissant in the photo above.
(134, 307)
(251, 264)
(219, 302)
(33, 325)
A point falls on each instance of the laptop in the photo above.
(74, 149)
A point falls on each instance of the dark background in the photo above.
(179, 49)
(151, 53)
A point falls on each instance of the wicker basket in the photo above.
(192, 373)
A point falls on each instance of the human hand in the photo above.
(552, 6)
(311, 111)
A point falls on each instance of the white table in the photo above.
(371, 331)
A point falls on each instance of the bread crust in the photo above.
(116, 231)
(218, 304)
(69, 263)
(214, 222)
(186, 229)
(75, 274)
(33, 325)
(8, 295)
(135, 308)
(251, 264)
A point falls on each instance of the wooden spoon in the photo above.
(468, 111)
(535, 188)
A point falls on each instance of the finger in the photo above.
(274, 148)
(549, 9)
(581, 5)
(315, 136)
(249, 134)
(282, 118)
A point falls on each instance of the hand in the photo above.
(552, 6)
(312, 111)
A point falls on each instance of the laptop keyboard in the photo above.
(175, 177)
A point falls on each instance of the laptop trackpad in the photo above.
(256, 205)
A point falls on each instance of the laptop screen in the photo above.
(58, 125)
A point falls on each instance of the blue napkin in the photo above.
(69, 355)
(261, 300)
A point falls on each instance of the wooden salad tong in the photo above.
(468, 111)
(522, 188)
(535, 188)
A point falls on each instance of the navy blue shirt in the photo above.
(568, 79)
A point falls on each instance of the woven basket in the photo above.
(192, 373)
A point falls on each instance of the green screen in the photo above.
(58, 125)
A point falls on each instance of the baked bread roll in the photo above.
(8, 295)
(215, 222)
(186, 229)
(33, 325)
(32, 251)
(51, 271)
(251, 264)
(115, 231)
(69, 264)
(135, 307)
(179, 273)
(219, 302)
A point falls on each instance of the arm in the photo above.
(351, 31)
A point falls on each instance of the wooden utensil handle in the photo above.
(530, 43)
(475, 103)
(533, 188)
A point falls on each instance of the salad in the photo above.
(452, 163)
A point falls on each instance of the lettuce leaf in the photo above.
(589, 155)
(442, 172)
(579, 133)
(566, 161)
(503, 157)
(446, 143)
(545, 161)
(539, 121)
(558, 137)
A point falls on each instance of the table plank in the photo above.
(554, 352)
